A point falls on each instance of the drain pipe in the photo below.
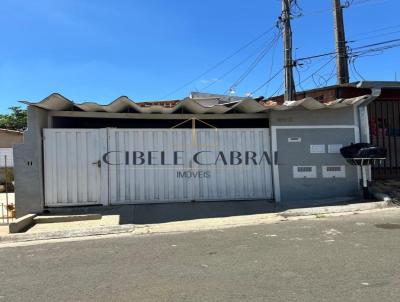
(363, 127)
(362, 113)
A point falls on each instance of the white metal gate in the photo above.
(117, 166)
(73, 174)
(167, 169)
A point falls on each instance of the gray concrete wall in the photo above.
(28, 165)
(298, 154)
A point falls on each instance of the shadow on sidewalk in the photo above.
(167, 212)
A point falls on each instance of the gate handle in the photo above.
(98, 163)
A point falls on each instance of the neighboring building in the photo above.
(7, 139)
(203, 148)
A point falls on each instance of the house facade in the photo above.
(7, 139)
(202, 148)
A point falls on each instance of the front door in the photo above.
(73, 171)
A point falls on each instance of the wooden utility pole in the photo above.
(342, 67)
(290, 89)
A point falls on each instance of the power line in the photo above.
(359, 47)
(272, 65)
(299, 78)
(279, 89)
(222, 76)
(349, 4)
(318, 70)
(378, 43)
(220, 62)
(367, 2)
(268, 81)
(254, 64)
(362, 51)
(375, 36)
(353, 65)
(237, 66)
(376, 30)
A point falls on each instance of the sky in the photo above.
(98, 50)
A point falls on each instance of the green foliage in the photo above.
(16, 120)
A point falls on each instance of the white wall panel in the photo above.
(160, 183)
(72, 176)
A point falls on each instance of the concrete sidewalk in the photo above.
(259, 219)
(104, 221)
(182, 211)
(93, 228)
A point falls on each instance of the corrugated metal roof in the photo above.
(197, 105)
(379, 84)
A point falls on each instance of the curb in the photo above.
(357, 207)
(65, 218)
(22, 237)
(198, 225)
(21, 223)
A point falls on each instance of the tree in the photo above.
(16, 120)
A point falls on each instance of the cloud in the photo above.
(208, 81)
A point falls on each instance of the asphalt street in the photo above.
(348, 258)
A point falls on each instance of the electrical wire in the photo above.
(377, 44)
(375, 30)
(359, 47)
(353, 65)
(215, 66)
(367, 2)
(222, 76)
(348, 4)
(316, 71)
(299, 77)
(279, 89)
(374, 37)
(268, 81)
(272, 65)
(253, 65)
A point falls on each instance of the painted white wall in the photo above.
(160, 183)
(6, 157)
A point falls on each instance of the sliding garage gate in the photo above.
(117, 166)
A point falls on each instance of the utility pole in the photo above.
(342, 67)
(290, 89)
